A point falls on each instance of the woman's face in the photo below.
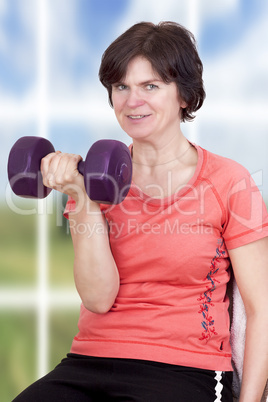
(144, 105)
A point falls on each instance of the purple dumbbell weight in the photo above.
(107, 169)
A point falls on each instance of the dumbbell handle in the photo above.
(81, 167)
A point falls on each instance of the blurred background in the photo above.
(50, 51)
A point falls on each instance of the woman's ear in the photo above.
(183, 104)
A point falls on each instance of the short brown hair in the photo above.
(171, 50)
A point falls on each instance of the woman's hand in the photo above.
(59, 172)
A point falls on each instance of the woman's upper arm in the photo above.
(250, 266)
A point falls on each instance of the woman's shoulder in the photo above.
(222, 167)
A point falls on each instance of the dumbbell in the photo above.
(107, 169)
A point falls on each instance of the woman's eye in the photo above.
(121, 87)
(151, 86)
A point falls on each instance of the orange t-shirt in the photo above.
(172, 257)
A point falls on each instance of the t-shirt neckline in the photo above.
(137, 193)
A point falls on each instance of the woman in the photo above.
(153, 272)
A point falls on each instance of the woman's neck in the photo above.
(159, 172)
(164, 152)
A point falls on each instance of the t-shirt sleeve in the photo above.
(71, 206)
(246, 217)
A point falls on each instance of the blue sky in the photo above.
(232, 40)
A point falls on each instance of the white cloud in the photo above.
(154, 11)
(211, 8)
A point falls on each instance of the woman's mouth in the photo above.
(137, 117)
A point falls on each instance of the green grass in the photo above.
(18, 246)
(63, 328)
(17, 353)
(61, 255)
(18, 347)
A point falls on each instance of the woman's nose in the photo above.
(135, 99)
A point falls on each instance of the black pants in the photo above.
(81, 379)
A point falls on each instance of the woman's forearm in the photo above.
(255, 369)
(95, 272)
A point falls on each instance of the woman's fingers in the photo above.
(60, 169)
